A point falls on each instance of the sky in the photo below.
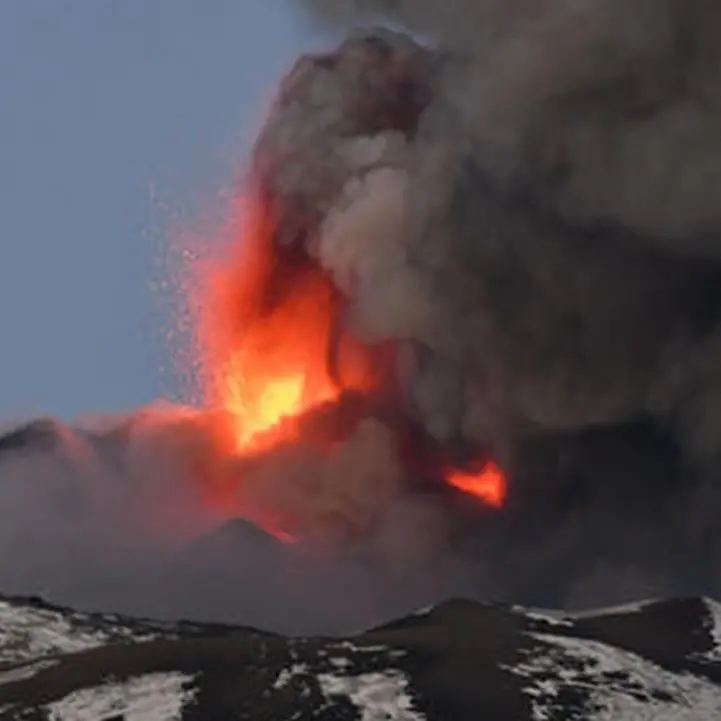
(120, 122)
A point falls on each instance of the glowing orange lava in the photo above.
(274, 352)
(488, 484)
(267, 334)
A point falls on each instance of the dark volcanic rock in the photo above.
(461, 660)
(43, 434)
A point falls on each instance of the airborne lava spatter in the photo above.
(266, 335)
(278, 361)
(487, 483)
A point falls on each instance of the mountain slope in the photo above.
(459, 660)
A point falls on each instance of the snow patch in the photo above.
(153, 697)
(552, 618)
(23, 673)
(425, 611)
(713, 625)
(28, 634)
(340, 663)
(356, 649)
(611, 684)
(626, 608)
(288, 674)
(377, 696)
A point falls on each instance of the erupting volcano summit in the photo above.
(496, 249)
(480, 275)
(464, 338)
(282, 350)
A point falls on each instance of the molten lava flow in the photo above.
(488, 484)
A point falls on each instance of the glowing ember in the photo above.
(488, 484)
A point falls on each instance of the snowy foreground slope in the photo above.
(461, 660)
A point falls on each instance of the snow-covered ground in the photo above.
(461, 661)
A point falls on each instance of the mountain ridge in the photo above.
(460, 659)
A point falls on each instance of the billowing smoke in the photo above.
(546, 223)
(114, 516)
(522, 198)
(528, 198)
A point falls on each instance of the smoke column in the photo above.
(543, 230)
(525, 204)
(553, 220)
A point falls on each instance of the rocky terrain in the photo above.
(457, 661)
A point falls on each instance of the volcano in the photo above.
(462, 340)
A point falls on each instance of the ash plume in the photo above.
(547, 226)
(522, 197)
(537, 220)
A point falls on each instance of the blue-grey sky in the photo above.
(117, 118)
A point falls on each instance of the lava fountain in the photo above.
(281, 364)
(267, 337)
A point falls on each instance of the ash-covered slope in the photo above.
(459, 660)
